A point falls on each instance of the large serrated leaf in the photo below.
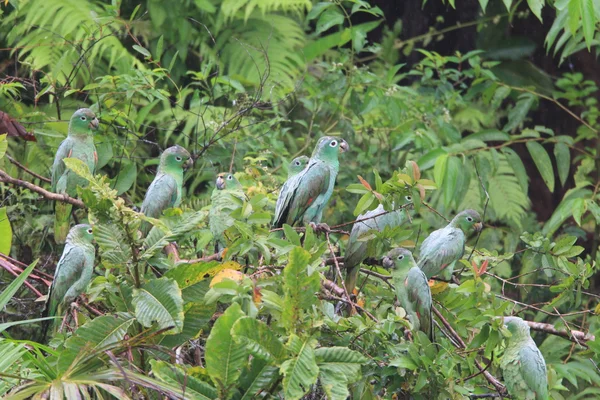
(224, 357)
(159, 300)
(258, 339)
(175, 375)
(95, 335)
(299, 289)
(301, 371)
(114, 248)
(157, 240)
(542, 162)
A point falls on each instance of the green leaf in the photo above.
(95, 335)
(224, 357)
(3, 145)
(79, 167)
(563, 161)
(158, 239)
(517, 114)
(588, 19)
(519, 169)
(483, 4)
(451, 179)
(299, 289)
(5, 232)
(536, 7)
(338, 367)
(10, 290)
(579, 207)
(258, 339)
(125, 179)
(301, 371)
(507, 4)
(113, 245)
(542, 162)
(489, 135)
(159, 300)
(174, 374)
(328, 19)
(439, 169)
(141, 50)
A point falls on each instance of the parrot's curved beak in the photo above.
(189, 163)
(344, 147)
(94, 123)
(387, 263)
(478, 226)
(220, 183)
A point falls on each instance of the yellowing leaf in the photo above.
(232, 274)
(437, 287)
(405, 179)
(5, 232)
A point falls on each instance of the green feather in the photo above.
(304, 196)
(78, 144)
(73, 272)
(165, 190)
(523, 365)
(412, 289)
(444, 246)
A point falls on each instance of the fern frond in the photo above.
(230, 8)
(507, 197)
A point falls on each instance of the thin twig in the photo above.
(4, 177)
(24, 168)
(339, 272)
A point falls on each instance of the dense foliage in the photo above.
(245, 86)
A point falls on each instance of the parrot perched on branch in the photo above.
(222, 203)
(304, 196)
(523, 366)
(446, 245)
(165, 190)
(73, 272)
(358, 250)
(78, 144)
(412, 289)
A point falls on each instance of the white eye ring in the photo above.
(401, 257)
(178, 158)
(297, 163)
(89, 231)
(83, 118)
(229, 177)
(409, 198)
(333, 143)
(469, 219)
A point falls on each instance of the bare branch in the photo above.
(4, 177)
(24, 168)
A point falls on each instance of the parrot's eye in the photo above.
(333, 143)
(400, 257)
(89, 231)
(83, 118)
(408, 198)
(178, 158)
(470, 219)
(229, 177)
(297, 163)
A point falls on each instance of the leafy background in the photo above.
(491, 105)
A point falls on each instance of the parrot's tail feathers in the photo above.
(61, 221)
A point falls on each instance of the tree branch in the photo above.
(4, 177)
(24, 168)
(572, 335)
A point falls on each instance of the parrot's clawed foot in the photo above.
(408, 335)
(319, 228)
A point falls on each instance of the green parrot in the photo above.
(73, 272)
(358, 250)
(412, 289)
(446, 245)
(78, 144)
(222, 203)
(297, 165)
(304, 196)
(165, 190)
(523, 366)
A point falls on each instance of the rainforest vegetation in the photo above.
(437, 106)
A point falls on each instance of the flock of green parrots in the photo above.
(301, 201)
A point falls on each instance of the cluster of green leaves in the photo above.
(452, 131)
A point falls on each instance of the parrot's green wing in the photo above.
(162, 194)
(419, 294)
(440, 249)
(58, 167)
(533, 370)
(305, 195)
